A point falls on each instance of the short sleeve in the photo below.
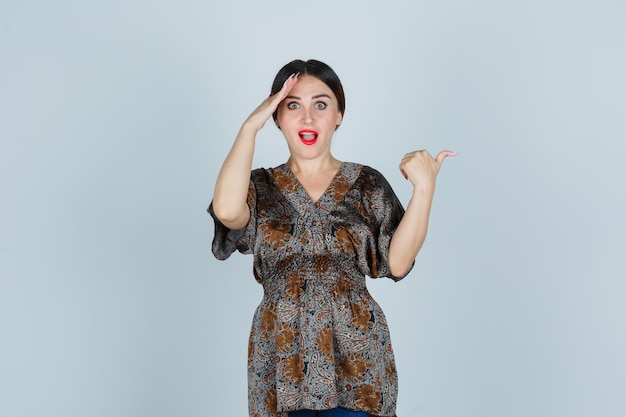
(385, 213)
(225, 240)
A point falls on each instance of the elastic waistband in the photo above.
(280, 284)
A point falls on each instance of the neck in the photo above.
(312, 167)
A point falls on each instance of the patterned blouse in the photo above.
(318, 339)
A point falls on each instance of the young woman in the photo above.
(316, 226)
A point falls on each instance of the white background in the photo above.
(116, 115)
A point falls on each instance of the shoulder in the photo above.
(281, 169)
(259, 172)
(371, 177)
(261, 176)
(374, 188)
(266, 179)
(372, 173)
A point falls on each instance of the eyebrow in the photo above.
(314, 97)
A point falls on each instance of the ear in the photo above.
(339, 119)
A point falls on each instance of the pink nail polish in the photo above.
(452, 154)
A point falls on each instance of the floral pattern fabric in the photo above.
(318, 339)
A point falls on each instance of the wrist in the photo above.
(249, 128)
(424, 189)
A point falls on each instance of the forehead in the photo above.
(308, 86)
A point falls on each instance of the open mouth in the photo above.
(307, 136)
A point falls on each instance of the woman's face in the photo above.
(308, 117)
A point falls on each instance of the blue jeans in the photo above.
(335, 412)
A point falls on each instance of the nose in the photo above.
(307, 115)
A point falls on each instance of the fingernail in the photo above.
(452, 154)
(287, 80)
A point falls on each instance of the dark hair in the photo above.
(316, 69)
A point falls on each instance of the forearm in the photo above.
(231, 188)
(410, 234)
(233, 180)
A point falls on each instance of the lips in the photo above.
(308, 137)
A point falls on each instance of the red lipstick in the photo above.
(308, 136)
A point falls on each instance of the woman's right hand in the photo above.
(266, 109)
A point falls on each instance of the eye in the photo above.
(293, 106)
(320, 106)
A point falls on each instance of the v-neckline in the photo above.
(294, 193)
(303, 189)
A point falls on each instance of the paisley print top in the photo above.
(318, 339)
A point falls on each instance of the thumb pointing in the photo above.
(443, 155)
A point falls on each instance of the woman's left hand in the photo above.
(421, 168)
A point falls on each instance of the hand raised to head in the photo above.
(261, 114)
